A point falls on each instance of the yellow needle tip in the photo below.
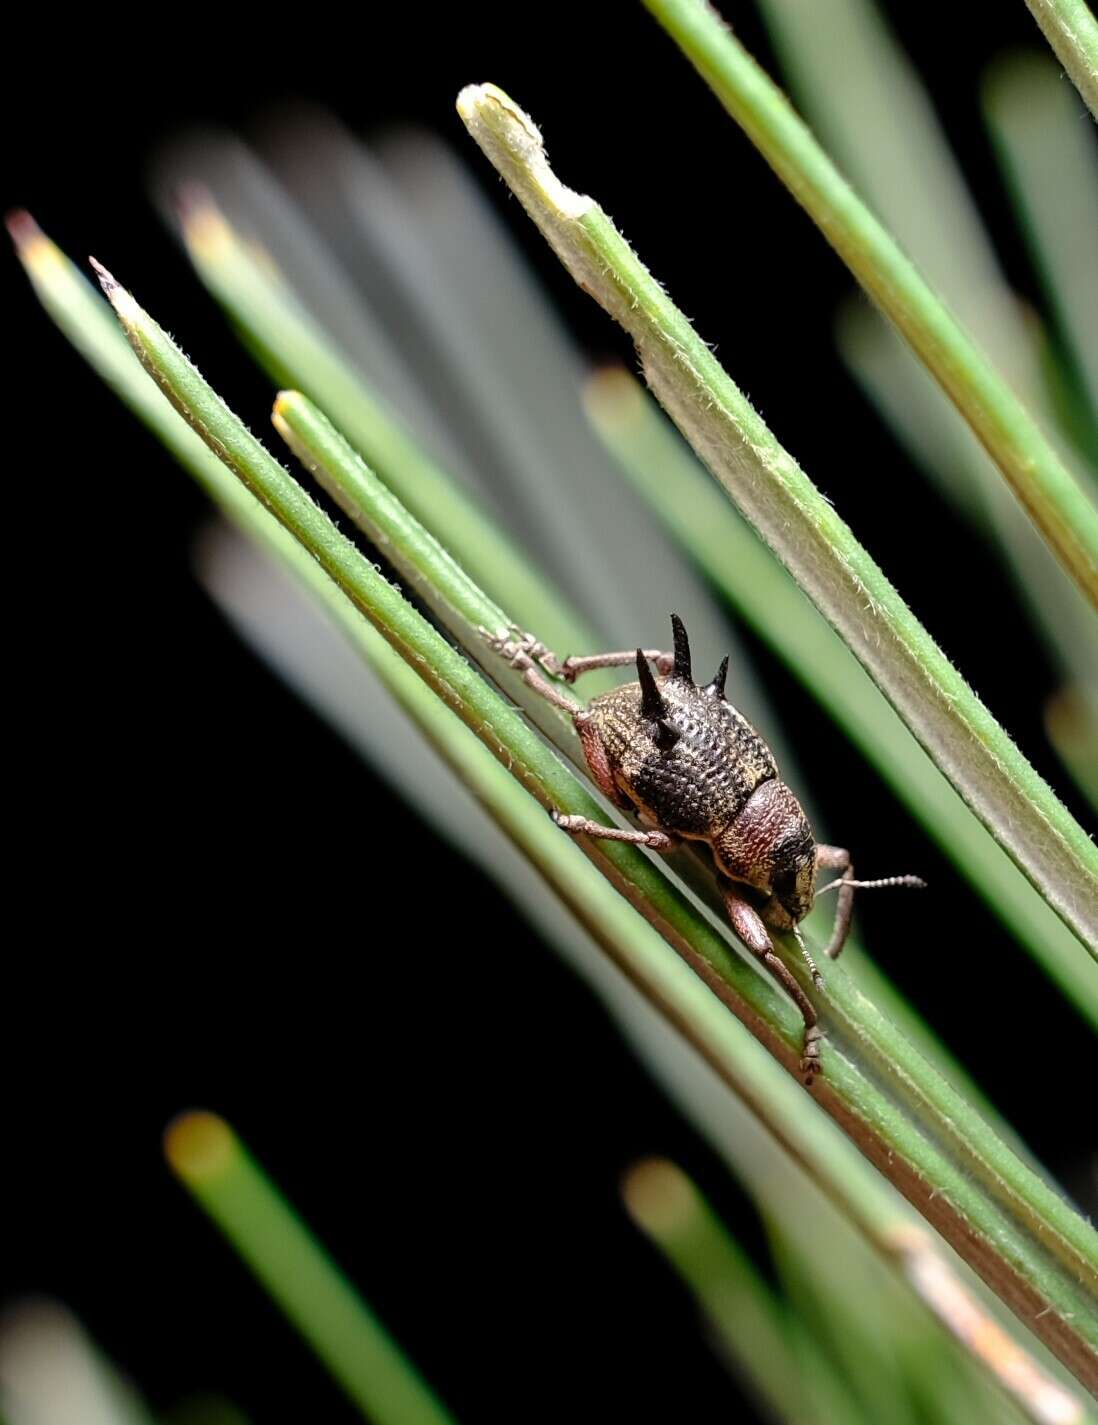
(199, 1145)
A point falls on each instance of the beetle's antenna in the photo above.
(915, 883)
(817, 978)
(682, 649)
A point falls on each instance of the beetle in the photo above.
(689, 766)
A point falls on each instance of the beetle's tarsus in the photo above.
(810, 1056)
(529, 656)
(521, 649)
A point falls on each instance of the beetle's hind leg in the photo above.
(748, 925)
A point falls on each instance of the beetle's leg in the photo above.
(576, 664)
(750, 929)
(837, 858)
(544, 689)
(520, 647)
(583, 826)
(525, 653)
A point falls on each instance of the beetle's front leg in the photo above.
(754, 934)
(837, 858)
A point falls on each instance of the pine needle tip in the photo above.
(206, 231)
(32, 246)
(22, 229)
(612, 397)
(283, 403)
(106, 281)
(123, 303)
(513, 144)
(659, 1197)
(199, 1145)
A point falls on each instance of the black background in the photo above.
(458, 1138)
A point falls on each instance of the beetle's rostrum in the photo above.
(689, 765)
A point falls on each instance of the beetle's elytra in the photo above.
(689, 766)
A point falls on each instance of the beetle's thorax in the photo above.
(770, 846)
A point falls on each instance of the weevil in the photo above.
(689, 766)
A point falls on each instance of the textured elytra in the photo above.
(692, 765)
(699, 785)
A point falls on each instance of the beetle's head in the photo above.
(769, 846)
(792, 878)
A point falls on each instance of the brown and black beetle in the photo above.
(689, 766)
